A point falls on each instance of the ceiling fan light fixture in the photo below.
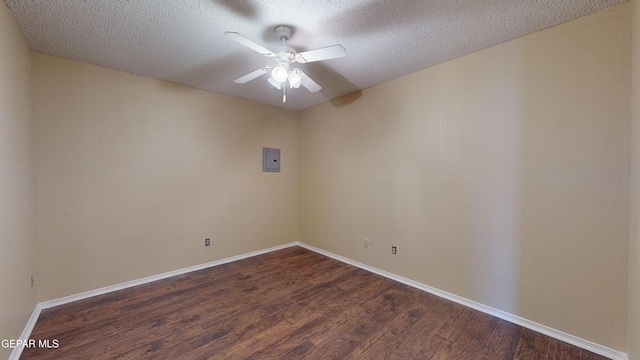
(284, 57)
(294, 80)
(279, 74)
(274, 83)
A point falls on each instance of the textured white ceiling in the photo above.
(182, 40)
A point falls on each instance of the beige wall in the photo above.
(17, 196)
(633, 332)
(133, 174)
(502, 176)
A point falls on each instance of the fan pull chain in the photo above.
(284, 95)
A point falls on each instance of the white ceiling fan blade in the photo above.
(307, 82)
(326, 53)
(252, 75)
(248, 43)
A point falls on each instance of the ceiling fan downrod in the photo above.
(284, 56)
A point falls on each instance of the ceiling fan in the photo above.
(283, 57)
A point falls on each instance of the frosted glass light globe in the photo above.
(279, 74)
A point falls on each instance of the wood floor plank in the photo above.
(400, 326)
(305, 351)
(559, 350)
(504, 341)
(257, 338)
(348, 319)
(287, 304)
(303, 324)
(472, 338)
(375, 316)
(532, 345)
(424, 330)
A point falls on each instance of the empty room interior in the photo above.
(478, 158)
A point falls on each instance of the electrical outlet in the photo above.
(394, 250)
(207, 242)
(367, 244)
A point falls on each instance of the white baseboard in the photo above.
(568, 338)
(26, 333)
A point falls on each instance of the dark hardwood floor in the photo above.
(288, 304)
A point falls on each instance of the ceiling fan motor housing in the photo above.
(285, 53)
(283, 32)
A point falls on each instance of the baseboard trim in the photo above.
(568, 338)
(26, 333)
(560, 335)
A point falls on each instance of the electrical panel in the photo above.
(270, 160)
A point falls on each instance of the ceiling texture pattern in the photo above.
(182, 41)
